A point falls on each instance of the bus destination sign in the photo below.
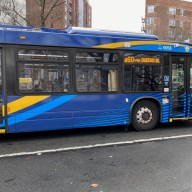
(142, 60)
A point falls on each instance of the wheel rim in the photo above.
(144, 115)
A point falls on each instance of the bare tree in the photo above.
(48, 9)
(12, 12)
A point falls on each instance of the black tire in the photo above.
(145, 116)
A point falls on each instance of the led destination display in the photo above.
(142, 60)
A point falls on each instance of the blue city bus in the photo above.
(82, 78)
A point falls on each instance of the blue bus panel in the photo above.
(74, 111)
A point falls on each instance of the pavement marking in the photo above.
(96, 146)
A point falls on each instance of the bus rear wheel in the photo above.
(145, 116)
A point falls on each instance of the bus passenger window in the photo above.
(94, 57)
(127, 78)
(43, 70)
(43, 78)
(147, 78)
(37, 88)
(96, 78)
(142, 72)
(42, 54)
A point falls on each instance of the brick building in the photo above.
(169, 19)
(68, 13)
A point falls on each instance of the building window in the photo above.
(171, 34)
(181, 12)
(172, 11)
(150, 21)
(181, 24)
(71, 5)
(180, 36)
(172, 22)
(150, 31)
(150, 9)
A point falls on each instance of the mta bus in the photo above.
(82, 78)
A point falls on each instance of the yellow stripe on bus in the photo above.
(2, 131)
(112, 45)
(133, 43)
(22, 103)
(182, 118)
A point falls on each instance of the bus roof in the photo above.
(81, 31)
(87, 38)
(70, 37)
(99, 32)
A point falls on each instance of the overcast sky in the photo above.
(123, 15)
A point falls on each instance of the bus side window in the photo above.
(96, 78)
(37, 88)
(127, 78)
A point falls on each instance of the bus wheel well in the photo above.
(145, 114)
(147, 99)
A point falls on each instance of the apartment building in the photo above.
(67, 13)
(169, 19)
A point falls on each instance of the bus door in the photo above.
(181, 105)
(2, 125)
(178, 104)
(189, 94)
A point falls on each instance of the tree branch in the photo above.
(51, 9)
(17, 13)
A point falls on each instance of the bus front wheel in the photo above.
(145, 115)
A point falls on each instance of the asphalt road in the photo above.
(163, 166)
(28, 142)
(148, 167)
